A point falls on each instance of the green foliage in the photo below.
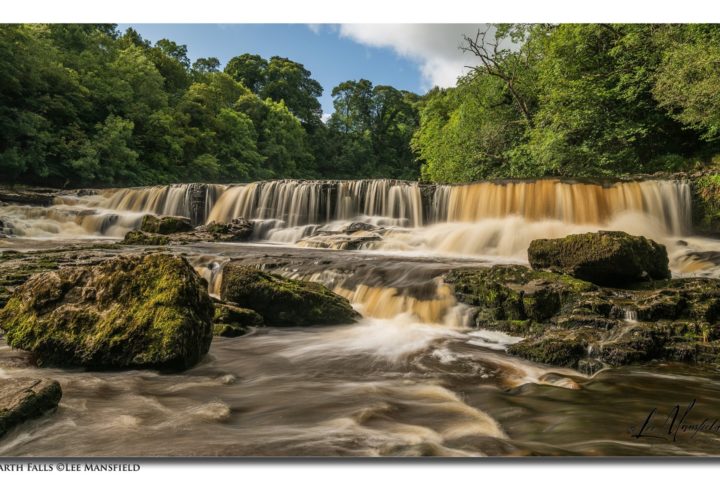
(589, 100)
(86, 105)
(371, 130)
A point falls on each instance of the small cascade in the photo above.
(630, 315)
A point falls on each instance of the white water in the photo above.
(484, 219)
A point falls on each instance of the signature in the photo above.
(673, 425)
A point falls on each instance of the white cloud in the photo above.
(314, 27)
(435, 47)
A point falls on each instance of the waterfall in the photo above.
(297, 203)
(573, 203)
(495, 218)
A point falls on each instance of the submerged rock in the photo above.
(603, 258)
(22, 399)
(284, 302)
(149, 311)
(165, 225)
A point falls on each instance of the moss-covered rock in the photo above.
(284, 302)
(149, 311)
(603, 258)
(562, 349)
(238, 230)
(165, 225)
(514, 292)
(136, 237)
(706, 203)
(571, 322)
(233, 321)
(22, 399)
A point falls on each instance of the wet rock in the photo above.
(136, 237)
(589, 366)
(570, 322)
(150, 311)
(27, 197)
(360, 227)
(563, 349)
(284, 302)
(238, 230)
(354, 241)
(603, 258)
(514, 292)
(165, 225)
(22, 399)
(233, 321)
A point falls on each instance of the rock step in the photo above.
(22, 399)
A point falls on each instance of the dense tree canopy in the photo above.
(89, 105)
(577, 100)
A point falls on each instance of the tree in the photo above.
(688, 83)
(206, 65)
(250, 70)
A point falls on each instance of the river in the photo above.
(413, 377)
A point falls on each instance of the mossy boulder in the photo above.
(166, 224)
(22, 399)
(562, 349)
(515, 292)
(136, 237)
(237, 230)
(283, 302)
(603, 258)
(233, 321)
(150, 311)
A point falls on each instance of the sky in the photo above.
(412, 57)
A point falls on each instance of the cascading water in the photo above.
(489, 219)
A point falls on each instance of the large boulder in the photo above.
(22, 399)
(165, 225)
(283, 302)
(603, 258)
(149, 311)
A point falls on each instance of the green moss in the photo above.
(283, 302)
(514, 292)
(136, 237)
(138, 312)
(165, 225)
(564, 352)
(225, 330)
(603, 258)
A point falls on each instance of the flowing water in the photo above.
(412, 377)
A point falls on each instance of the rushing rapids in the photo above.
(490, 219)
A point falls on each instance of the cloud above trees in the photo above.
(435, 47)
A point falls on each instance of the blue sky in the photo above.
(410, 57)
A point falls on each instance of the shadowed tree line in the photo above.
(87, 105)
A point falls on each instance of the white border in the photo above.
(359, 11)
